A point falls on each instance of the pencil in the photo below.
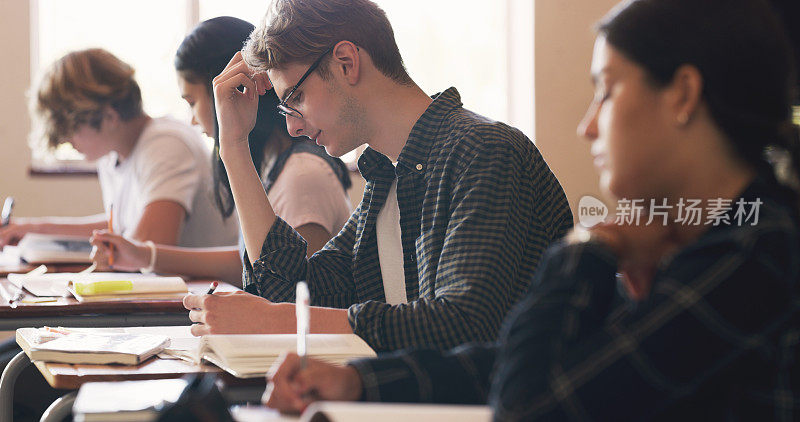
(111, 230)
(212, 287)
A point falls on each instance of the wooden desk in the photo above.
(5, 270)
(69, 312)
(72, 376)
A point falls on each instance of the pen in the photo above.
(111, 230)
(5, 215)
(13, 298)
(302, 312)
(20, 294)
(16, 298)
(212, 287)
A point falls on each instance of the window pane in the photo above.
(459, 43)
(143, 33)
(249, 10)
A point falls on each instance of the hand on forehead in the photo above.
(237, 65)
(261, 79)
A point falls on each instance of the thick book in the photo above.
(104, 287)
(88, 287)
(89, 347)
(37, 248)
(251, 355)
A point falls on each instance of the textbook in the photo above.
(89, 347)
(251, 355)
(37, 248)
(96, 287)
(88, 287)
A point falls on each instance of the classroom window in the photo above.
(482, 48)
(143, 33)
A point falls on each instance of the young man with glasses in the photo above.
(457, 208)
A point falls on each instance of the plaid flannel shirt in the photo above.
(478, 207)
(717, 338)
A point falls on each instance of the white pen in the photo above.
(5, 215)
(303, 314)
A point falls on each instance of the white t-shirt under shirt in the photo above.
(169, 162)
(390, 249)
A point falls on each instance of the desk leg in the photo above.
(60, 408)
(7, 381)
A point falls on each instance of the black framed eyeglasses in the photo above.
(283, 107)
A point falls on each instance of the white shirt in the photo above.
(390, 249)
(169, 162)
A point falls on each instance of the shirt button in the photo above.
(419, 167)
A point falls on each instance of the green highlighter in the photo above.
(102, 287)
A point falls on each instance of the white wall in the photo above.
(563, 44)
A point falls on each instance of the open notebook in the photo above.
(36, 248)
(251, 355)
(102, 286)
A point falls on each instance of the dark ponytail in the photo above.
(202, 55)
(744, 56)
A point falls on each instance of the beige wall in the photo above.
(563, 43)
(563, 50)
(40, 195)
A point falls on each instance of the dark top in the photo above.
(716, 338)
(298, 145)
(478, 207)
(305, 145)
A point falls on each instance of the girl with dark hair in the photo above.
(666, 314)
(309, 187)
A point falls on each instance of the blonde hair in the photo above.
(75, 90)
(299, 31)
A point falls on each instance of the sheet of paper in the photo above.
(54, 284)
(9, 256)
